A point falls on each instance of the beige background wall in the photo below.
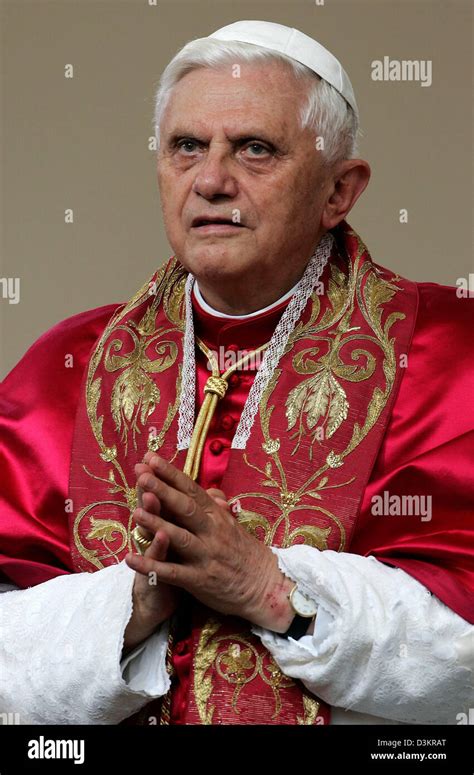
(82, 143)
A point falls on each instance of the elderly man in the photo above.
(267, 514)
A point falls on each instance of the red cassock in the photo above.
(394, 367)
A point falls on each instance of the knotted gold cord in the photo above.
(214, 389)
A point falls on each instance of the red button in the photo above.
(227, 422)
(213, 486)
(216, 447)
(182, 647)
(234, 380)
(232, 347)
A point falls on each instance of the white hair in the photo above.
(325, 110)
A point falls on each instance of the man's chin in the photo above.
(216, 261)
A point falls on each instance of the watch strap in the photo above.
(297, 628)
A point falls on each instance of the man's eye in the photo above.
(257, 149)
(188, 146)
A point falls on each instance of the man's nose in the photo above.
(214, 178)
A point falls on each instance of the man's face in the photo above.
(232, 149)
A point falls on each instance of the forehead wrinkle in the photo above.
(242, 99)
(205, 124)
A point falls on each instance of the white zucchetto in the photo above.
(296, 45)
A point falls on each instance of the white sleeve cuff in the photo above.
(144, 668)
(60, 648)
(383, 645)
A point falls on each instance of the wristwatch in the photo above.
(305, 609)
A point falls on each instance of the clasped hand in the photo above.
(213, 557)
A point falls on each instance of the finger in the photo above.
(168, 573)
(215, 493)
(221, 502)
(177, 479)
(218, 496)
(156, 551)
(142, 468)
(181, 540)
(150, 503)
(184, 508)
(159, 546)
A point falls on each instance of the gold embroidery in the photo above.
(156, 441)
(311, 709)
(134, 395)
(321, 397)
(237, 666)
(205, 655)
(285, 501)
(272, 675)
(134, 398)
(237, 661)
(91, 555)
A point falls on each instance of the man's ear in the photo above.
(347, 182)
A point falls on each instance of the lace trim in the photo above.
(188, 378)
(275, 350)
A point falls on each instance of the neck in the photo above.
(249, 302)
(219, 313)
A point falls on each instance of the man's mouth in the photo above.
(209, 222)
